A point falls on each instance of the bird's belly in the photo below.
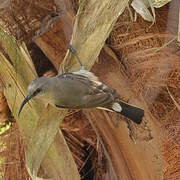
(70, 102)
(70, 94)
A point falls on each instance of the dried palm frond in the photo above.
(179, 27)
(175, 102)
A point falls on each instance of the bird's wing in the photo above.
(75, 77)
(99, 95)
(91, 76)
(89, 79)
(98, 100)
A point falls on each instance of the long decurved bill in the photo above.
(26, 99)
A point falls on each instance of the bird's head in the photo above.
(35, 89)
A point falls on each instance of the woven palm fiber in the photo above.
(150, 58)
(149, 68)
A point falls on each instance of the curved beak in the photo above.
(26, 99)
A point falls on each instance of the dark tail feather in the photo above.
(134, 113)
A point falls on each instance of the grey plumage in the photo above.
(80, 89)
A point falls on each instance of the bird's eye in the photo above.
(37, 91)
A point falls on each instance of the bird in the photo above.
(78, 90)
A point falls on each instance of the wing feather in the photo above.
(99, 94)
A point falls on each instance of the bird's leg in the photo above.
(74, 52)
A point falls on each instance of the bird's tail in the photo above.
(134, 113)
